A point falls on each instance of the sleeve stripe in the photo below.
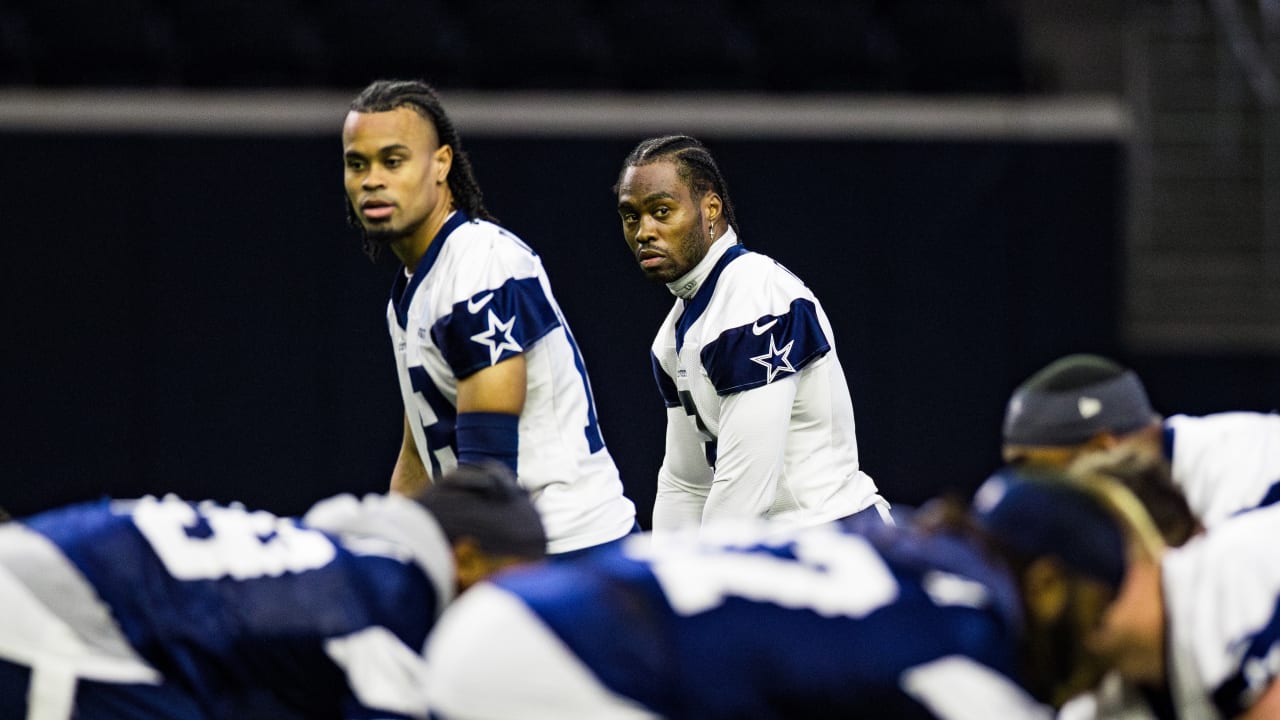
(772, 347)
(958, 688)
(666, 386)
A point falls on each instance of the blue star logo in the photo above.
(498, 338)
(776, 360)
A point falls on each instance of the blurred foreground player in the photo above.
(1195, 630)
(157, 608)
(850, 620)
(1202, 627)
(1224, 463)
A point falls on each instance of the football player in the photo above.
(167, 608)
(759, 416)
(1224, 463)
(956, 616)
(487, 365)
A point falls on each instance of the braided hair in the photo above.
(388, 95)
(694, 166)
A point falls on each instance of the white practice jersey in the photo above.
(759, 420)
(1222, 595)
(479, 296)
(1113, 699)
(1225, 463)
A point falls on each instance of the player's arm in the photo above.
(750, 450)
(684, 478)
(755, 369)
(490, 401)
(410, 475)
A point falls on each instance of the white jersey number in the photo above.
(832, 574)
(233, 542)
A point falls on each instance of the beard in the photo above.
(692, 247)
(376, 239)
(1060, 666)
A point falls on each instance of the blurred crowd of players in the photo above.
(1122, 564)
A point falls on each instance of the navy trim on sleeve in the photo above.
(1238, 692)
(772, 347)
(1273, 495)
(494, 325)
(666, 386)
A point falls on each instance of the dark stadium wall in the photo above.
(190, 314)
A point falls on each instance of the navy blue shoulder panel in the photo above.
(773, 346)
(493, 325)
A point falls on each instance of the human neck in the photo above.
(686, 286)
(414, 245)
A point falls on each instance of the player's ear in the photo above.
(469, 562)
(712, 206)
(444, 160)
(1045, 589)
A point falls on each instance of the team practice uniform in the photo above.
(1222, 604)
(1226, 462)
(1222, 595)
(479, 296)
(164, 608)
(749, 620)
(759, 417)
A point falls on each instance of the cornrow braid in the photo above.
(387, 95)
(694, 165)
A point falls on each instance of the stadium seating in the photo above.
(803, 45)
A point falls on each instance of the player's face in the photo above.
(664, 225)
(395, 173)
(1062, 612)
(1083, 668)
(1130, 636)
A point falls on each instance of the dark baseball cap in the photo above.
(1044, 515)
(1074, 398)
(485, 503)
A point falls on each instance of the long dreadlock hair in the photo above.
(694, 166)
(388, 95)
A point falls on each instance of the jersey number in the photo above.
(831, 573)
(217, 542)
(440, 428)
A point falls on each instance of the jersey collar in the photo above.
(686, 286)
(699, 284)
(403, 288)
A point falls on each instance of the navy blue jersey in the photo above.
(751, 621)
(242, 613)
